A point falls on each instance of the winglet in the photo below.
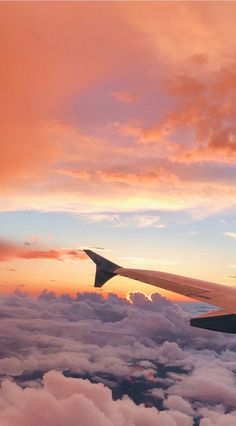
(104, 268)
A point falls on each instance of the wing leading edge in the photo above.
(214, 294)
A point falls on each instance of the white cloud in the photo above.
(119, 220)
(230, 234)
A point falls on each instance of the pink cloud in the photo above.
(9, 251)
(207, 383)
(48, 58)
(123, 96)
(185, 114)
(62, 400)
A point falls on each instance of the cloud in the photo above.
(38, 116)
(118, 220)
(145, 349)
(232, 235)
(158, 139)
(205, 113)
(176, 402)
(125, 97)
(211, 418)
(211, 384)
(9, 251)
(61, 400)
(200, 38)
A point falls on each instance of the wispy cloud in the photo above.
(9, 251)
(230, 234)
(124, 96)
(120, 220)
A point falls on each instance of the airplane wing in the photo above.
(214, 294)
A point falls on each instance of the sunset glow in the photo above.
(117, 133)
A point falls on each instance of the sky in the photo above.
(117, 132)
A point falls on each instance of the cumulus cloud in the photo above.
(144, 349)
(212, 383)
(176, 402)
(65, 401)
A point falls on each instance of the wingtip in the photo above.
(105, 269)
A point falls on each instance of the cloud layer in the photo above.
(145, 350)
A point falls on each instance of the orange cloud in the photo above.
(138, 174)
(57, 56)
(48, 57)
(178, 31)
(206, 108)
